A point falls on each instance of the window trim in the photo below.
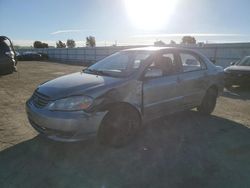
(197, 56)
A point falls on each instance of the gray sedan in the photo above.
(115, 96)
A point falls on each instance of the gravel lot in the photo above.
(182, 150)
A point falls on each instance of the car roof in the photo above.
(149, 48)
(154, 48)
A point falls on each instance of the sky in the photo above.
(125, 22)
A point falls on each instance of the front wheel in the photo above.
(209, 102)
(118, 127)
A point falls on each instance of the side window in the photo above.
(171, 56)
(191, 62)
(138, 59)
(164, 62)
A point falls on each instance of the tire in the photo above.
(209, 102)
(8, 71)
(118, 127)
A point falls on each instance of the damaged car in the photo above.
(115, 96)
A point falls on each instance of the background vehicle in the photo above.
(238, 73)
(44, 56)
(32, 56)
(8, 60)
(114, 96)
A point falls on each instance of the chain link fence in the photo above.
(223, 54)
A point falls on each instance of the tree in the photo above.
(172, 42)
(188, 40)
(71, 43)
(60, 44)
(159, 43)
(39, 44)
(90, 41)
(45, 45)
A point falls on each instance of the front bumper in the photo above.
(64, 126)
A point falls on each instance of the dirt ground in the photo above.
(181, 150)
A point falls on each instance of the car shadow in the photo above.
(2, 74)
(242, 93)
(183, 150)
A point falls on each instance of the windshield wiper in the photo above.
(97, 72)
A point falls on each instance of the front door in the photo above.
(160, 95)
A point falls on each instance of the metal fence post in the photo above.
(95, 54)
(215, 54)
(67, 58)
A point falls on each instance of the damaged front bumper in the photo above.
(64, 126)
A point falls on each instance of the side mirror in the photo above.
(153, 73)
(233, 63)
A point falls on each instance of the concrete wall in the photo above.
(222, 53)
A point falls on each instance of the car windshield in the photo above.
(244, 62)
(120, 64)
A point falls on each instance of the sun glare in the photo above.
(150, 14)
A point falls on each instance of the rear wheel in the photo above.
(209, 102)
(119, 126)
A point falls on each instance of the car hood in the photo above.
(238, 68)
(75, 84)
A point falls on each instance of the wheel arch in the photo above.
(122, 105)
(215, 88)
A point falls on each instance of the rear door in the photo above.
(193, 80)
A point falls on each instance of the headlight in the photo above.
(71, 103)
